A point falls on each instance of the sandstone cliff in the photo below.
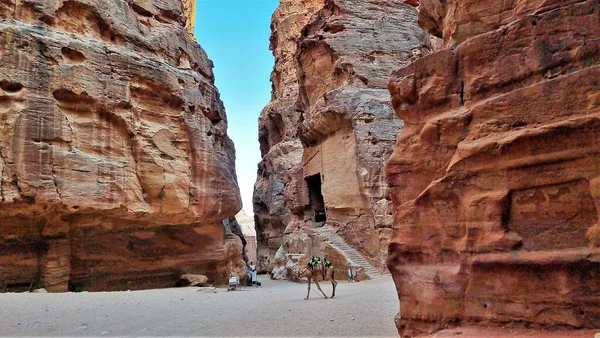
(116, 169)
(330, 127)
(280, 147)
(495, 178)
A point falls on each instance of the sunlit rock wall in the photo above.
(496, 176)
(116, 169)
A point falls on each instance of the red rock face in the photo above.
(116, 170)
(496, 177)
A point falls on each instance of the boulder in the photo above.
(192, 280)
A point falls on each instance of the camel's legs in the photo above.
(308, 293)
(319, 287)
(334, 284)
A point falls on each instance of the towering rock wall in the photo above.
(495, 178)
(280, 147)
(116, 169)
(330, 128)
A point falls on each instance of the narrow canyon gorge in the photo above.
(116, 169)
(454, 144)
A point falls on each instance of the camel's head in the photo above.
(299, 273)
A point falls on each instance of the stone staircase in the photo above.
(353, 256)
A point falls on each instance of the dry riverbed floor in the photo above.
(277, 309)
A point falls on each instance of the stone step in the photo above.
(351, 254)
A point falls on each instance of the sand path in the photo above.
(277, 309)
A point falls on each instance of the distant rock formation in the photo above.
(246, 222)
(495, 178)
(247, 228)
(116, 170)
(330, 127)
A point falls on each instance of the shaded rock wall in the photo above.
(495, 177)
(280, 147)
(331, 118)
(116, 169)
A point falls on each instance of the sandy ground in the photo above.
(277, 309)
(472, 332)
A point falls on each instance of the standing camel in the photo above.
(319, 267)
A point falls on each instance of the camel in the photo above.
(323, 270)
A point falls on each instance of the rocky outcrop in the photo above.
(299, 246)
(116, 169)
(192, 280)
(330, 126)
(495, 177)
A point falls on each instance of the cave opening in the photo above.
(316, 200)
(75, 286)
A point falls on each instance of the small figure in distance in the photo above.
(252, 268)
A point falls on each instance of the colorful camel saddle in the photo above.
(318, 263)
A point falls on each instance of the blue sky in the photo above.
(235, 35)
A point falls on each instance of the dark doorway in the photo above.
(75, 287)
(317, 203)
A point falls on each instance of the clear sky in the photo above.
(235, 35)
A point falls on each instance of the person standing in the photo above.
(253, 273)
(350, 273)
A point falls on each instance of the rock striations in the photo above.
(280, 147)
(330, 127)
(116, 169)
(495, 178)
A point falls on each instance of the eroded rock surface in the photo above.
(116, 169)
(330, 127)
(280, 147)
(495, 177)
